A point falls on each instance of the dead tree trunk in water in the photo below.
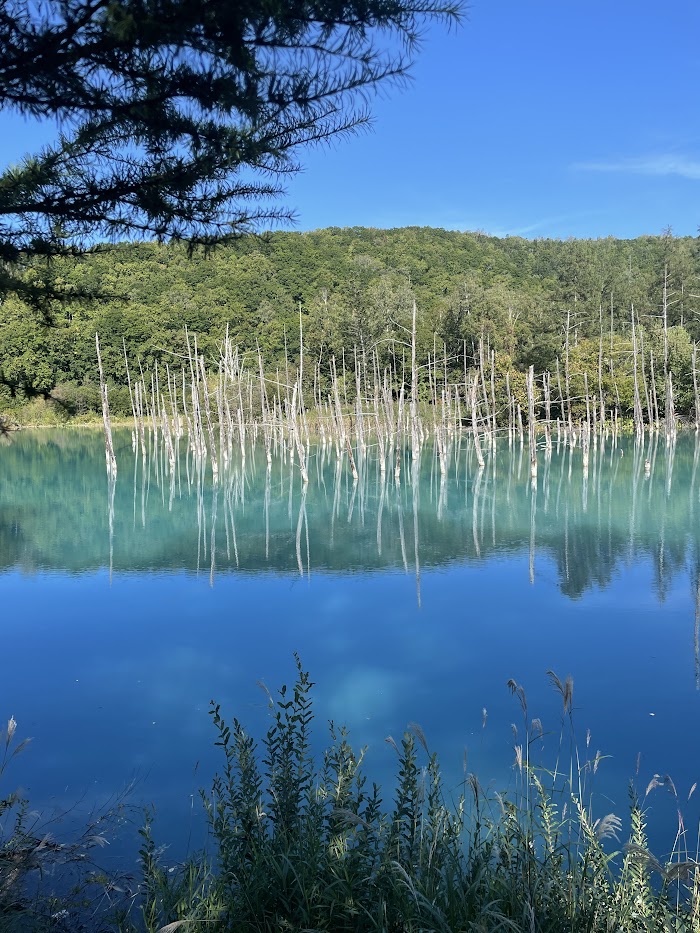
(475, 425)
(532, 432)
(493, 397)
(482, 377)
(562, 406)
(647, 400)
(638, 416)
(294, 425)
(664, 315)
(210, 424)
(511, 422)
(415, 440)
(695, 389)
(670, 416)
(586, 428)
(567, 381)
(109, 446)
(601, 395)
(131, 398)
(547, 410)
(654, 396)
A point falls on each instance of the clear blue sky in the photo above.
(547, 118)
(550, 118)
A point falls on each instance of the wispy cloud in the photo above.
(554, 225)
(529, 228)
(550, 224)
(659, 165)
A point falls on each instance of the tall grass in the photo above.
(304, 846)
(46, 884)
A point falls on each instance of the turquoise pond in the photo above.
(123, 616)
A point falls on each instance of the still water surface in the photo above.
(414, 602)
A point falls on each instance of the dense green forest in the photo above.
(534, 302)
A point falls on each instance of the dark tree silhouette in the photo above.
(181, 118)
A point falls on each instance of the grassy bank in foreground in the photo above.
(298, 845)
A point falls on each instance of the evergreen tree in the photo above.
(180, 118)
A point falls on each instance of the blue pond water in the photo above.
(406, 603)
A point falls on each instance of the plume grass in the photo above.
(304, 846)
(301, 844)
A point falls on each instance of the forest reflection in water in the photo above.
(408, 599)
(635, 501)
(588, 521)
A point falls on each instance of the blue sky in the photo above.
(551, 118)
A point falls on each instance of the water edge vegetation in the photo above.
(302, 845)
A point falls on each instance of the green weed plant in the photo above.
(306, 846)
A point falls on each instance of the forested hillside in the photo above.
(534, 302)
